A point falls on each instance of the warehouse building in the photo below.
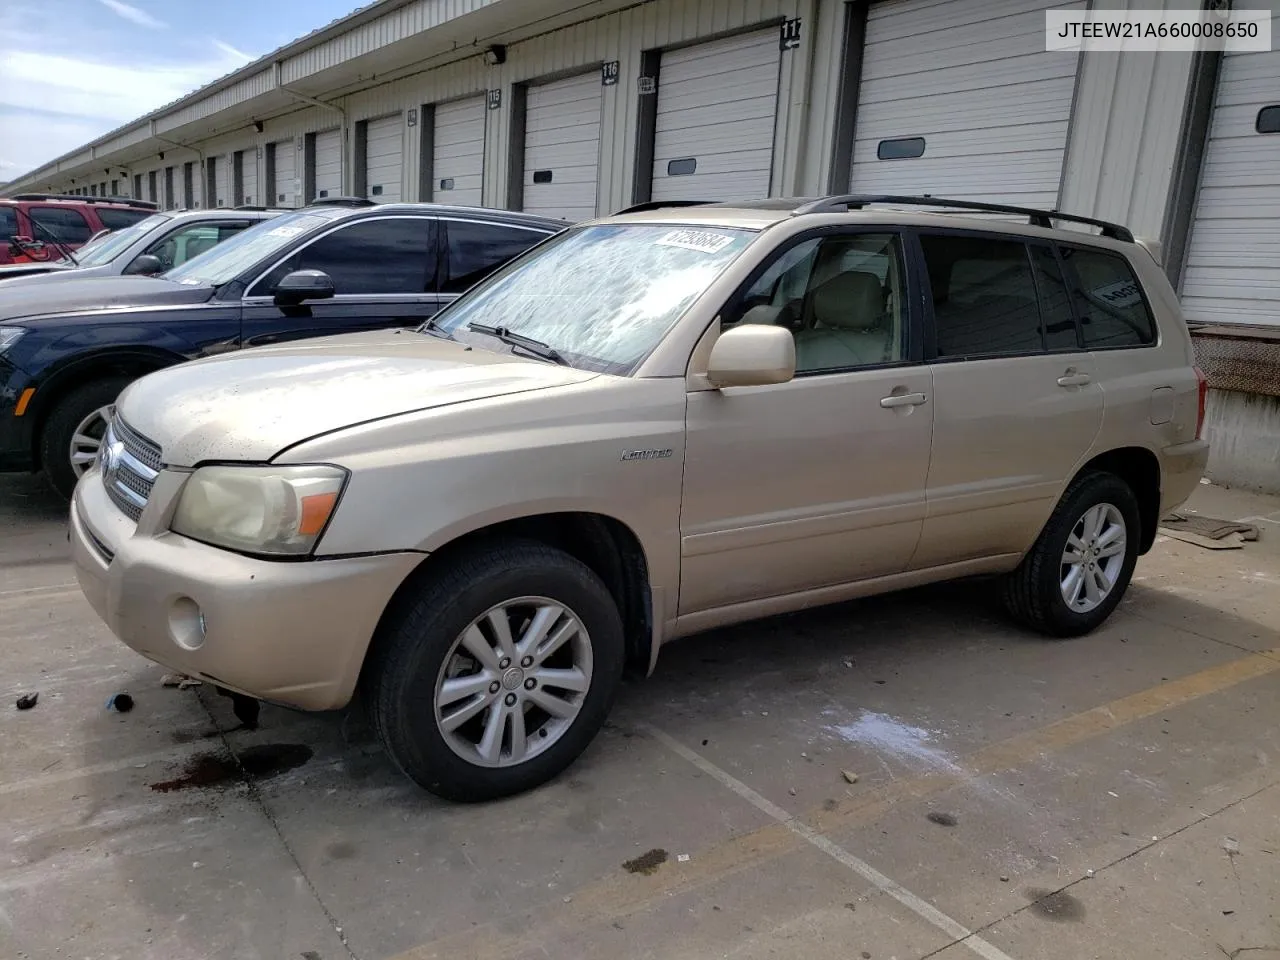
(578, 109)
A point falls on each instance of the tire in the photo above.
(61, 426)
(420, 647)
(1034, 593)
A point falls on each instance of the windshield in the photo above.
(232, 257)
(110, 245)
(602, 297)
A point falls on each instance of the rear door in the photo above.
(384, 270)
(1018, 399)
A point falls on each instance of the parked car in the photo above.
(67, 349)
(649, 425)
(37, 228)
(148, 248)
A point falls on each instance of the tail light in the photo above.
(1203, 384)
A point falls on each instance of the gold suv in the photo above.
(650, 424)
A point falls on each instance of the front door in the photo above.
(384, 272)
(1018, 399)
(819, 481)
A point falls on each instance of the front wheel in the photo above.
(1081, 564)
(499, 673)
(73, 433)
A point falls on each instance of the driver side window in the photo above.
(840, 296)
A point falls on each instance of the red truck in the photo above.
(45, 226)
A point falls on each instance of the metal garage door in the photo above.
(973, 86)
(457, 164)
(249, 176)
(329, 164)
(1230, 274)
(222, 182)
(716, 108)
(285, 170)
(384, 158)
(562, 148)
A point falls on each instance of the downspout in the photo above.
(303, 98)
(185, 146)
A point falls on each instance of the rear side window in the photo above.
(114, 218)
(1108, 299)
(984, 296)
(478, 249)
(368, 257)
(61, 223)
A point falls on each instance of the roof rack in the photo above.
(125, 201)
(341, 202)
(1039, 218)
(661, 204)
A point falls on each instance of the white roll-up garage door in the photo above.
(970, 85)
(222, 182)
(457, 163)
(285, 171)
(384, 159)
(1231, 271)
(249, 176)
(562, 148)
(716, 107)
(329, 164)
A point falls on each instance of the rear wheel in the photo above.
(499, 673)
(73, 432)
(1081, 564)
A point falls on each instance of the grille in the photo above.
(130, 465)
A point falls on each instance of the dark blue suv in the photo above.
(68, 349)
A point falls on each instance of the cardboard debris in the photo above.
(1208, 532)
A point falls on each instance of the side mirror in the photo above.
(146, 264)
(302, 285)
(752, 356)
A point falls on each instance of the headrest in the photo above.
(853, 300)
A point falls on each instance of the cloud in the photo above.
(133, 14)
(231, 51)
(51, 104)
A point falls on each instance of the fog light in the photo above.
(186, 623)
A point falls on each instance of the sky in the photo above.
(72, 70)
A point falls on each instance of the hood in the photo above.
(252, 405)
(56, 275)
(24, 271)
(74, 294)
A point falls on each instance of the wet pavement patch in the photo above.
(646, 863)
(259, 763)
(942, 819)
(1056, 905)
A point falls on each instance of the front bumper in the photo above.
(293, 632)
(17, 444)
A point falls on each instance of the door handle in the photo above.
(1074, 380)
(903, 400)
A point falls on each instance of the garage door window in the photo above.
(1108, 299)
(64, 226)
(1268, 120)
(369, 257)
(984, 296)
(904, 148)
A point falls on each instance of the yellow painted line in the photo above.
(619, 895)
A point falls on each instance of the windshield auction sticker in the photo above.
(701, 240)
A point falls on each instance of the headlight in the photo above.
(273, 510)
(9, 336)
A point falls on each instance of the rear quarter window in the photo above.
(115, 219)
(1109, 300)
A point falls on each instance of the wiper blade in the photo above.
(543, 351)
